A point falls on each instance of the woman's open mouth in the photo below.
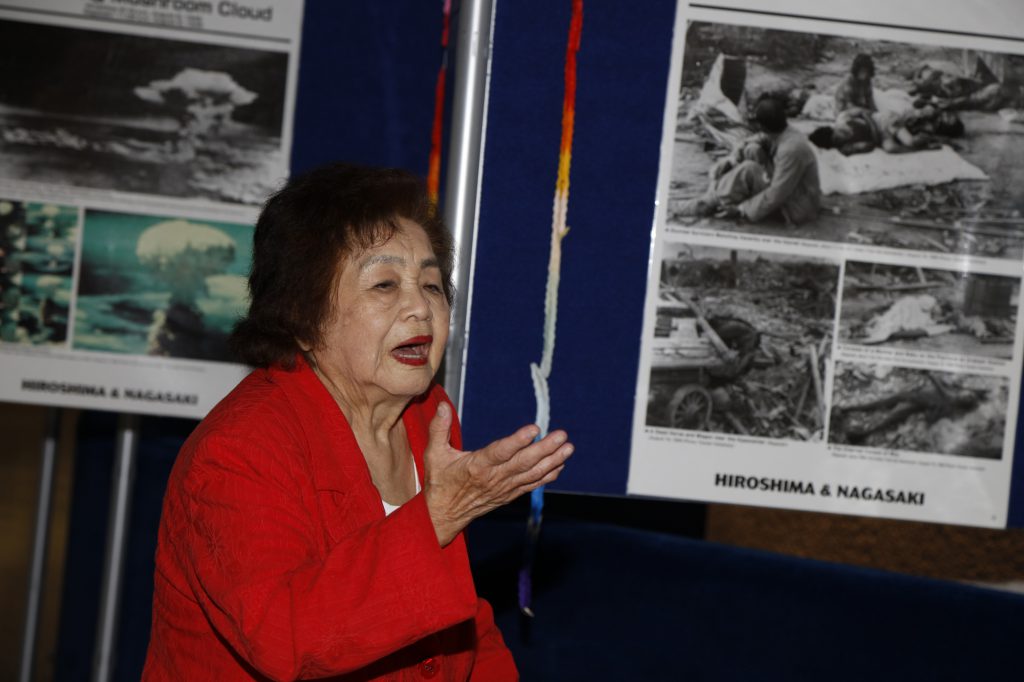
(414, 351)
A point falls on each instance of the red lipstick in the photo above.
(414, 351)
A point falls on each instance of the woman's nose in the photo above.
(415, 302)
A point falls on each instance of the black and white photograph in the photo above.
(842, 139)
(919, 410)
(741, 342)
(37, 258)
(139, 114)
(925, 309)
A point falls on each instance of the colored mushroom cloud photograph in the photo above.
(169, 287)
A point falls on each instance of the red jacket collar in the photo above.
(337, 462)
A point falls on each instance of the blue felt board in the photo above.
(366, 83)
(622, 75)
(622, 72)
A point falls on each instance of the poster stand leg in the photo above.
(37, 567)
(117, 540)
(462, 183)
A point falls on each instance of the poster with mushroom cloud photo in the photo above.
(137, 143)
(832, 319)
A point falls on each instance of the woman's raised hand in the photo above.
(462, 486)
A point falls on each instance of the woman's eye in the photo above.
(385, 285)
(434, 288)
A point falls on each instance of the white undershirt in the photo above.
(388, 508)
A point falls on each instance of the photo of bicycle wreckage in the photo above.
(741, 343)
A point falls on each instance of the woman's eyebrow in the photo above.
(381, 260)
(384, 259)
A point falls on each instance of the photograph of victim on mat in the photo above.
(926, 309)
(849, 140)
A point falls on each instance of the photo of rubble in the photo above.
(926, 309)
(741, 342)
(919, 410)
(163, 286)
(37, 258)
(884, 143)
(140, 114)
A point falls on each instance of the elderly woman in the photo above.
(313, 522)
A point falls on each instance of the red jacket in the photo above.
(275, 560)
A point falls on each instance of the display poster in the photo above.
(138, 139)
(832, 319)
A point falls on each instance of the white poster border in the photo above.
(142, 384)
(729, 468)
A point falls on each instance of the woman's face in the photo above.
(390, 319)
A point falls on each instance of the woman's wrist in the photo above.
(445, 530)
(445, 527)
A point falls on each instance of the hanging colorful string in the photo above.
(541, 372)
(434, 167)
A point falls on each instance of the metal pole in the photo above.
(37, 568)
(117, 540)
(465, 157)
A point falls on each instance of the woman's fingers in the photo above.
(519, 460)
(463, 486)
(525, 461)
(504, 449)
(544, 466)
(529, 456)
(550, 477)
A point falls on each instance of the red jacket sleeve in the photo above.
(284, 605)
(494, 661)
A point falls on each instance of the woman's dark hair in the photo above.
(822, 137)
(863, 62)
(302, 236)
(770, 114)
